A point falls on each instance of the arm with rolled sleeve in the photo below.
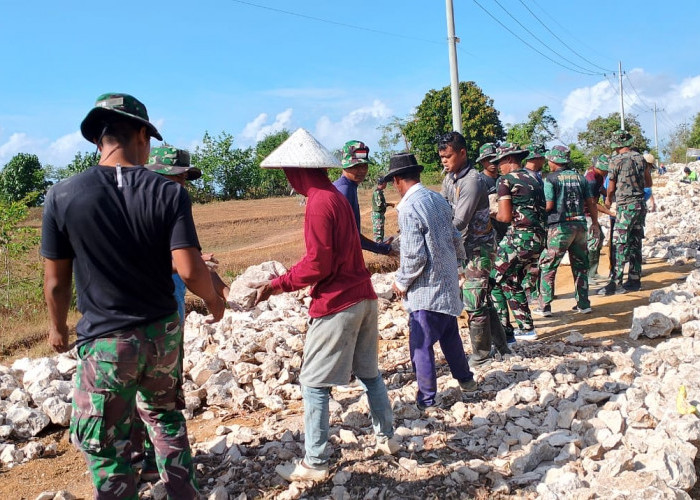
(413, 252)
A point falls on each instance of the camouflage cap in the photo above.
(110, 107)
(559, 155)
(355, 153)
(167, 160)
(621, 139)
(535, 150)
(487, 151)
(602, 163)
(509, 149)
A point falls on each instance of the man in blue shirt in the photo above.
(427, 278)
(355, 167)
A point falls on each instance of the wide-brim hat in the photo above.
(402, 163)
(559, 155)
(535, 151)
(510, 149)
(111, 107)
(602, 163)
(300, 150)
(167, 160)
(355, 153)
(621, 139)
(487, 152)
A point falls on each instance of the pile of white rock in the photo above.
(672, 232)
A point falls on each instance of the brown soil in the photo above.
(243, 233)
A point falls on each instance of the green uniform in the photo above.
(566, 232)
(378, 217)
(627, 171)
(519, 251)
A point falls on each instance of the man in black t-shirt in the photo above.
(117, 226)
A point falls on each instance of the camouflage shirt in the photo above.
(568, 190)
(378, 201)
(527, 198)
(467, 193)
(627, 171)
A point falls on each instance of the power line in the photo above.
(337, 23)
(537, 38)
(557, 37)
(529, 45)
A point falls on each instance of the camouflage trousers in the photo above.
(627, 240)
(475, 292)
(561, 238)
(594, 242)
(378, 219)
(111, 372)
(517, 254)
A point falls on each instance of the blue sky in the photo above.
(339, 69)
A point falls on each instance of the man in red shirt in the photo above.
(342, 337)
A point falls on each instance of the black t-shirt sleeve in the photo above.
(184, 234)
(54, 241)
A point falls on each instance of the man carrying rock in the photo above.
(119, 228)
(520, 203)
(342, 338)
(355, 167)
(566, 192)
(467, 194)
(427, 278)
(628, 175)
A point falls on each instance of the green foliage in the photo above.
(694, 137)
(392, 141)
(540, 127)
(269, 181)
(227, 172)
(677, 144)
(15, 241)
(81, 162)
(433, 118)
(22, 177)
(595, 140)
(579, 161)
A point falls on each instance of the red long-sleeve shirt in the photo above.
(333, 263)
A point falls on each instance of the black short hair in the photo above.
(119, 131)
(686, 170)
(411, 175)
(455, 140)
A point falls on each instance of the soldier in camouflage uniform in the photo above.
(595, 176)
(566, 192)
(628, 175)
(489, 174)
(119, 228)
(521, 204)
(534, 163)
(467, 193)
(379, 206)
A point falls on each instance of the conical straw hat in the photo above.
(300, 150)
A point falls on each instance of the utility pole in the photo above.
(656, 135)
(454, 73)
(622, 103)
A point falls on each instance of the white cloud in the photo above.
(360, 123)
(584, 104)
(257, 129)
(18, 142)
(58, 153)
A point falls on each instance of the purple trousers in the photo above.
(426, 328)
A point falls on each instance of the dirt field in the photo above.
(242, 233)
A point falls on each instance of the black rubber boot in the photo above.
(498, 334)
(481, 342)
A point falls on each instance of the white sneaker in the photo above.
(525, 334)
(297, 470)
(387, 446)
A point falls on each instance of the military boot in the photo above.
(481, 343)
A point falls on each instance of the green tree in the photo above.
(21, 177)
(579, 161)
(81, 162)
(678, 141)
(433, 117)
(393, 140)
(227, 172)
(15, 239)
(540, 127)
(595, 140)
(269, 181)
(694, 137)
